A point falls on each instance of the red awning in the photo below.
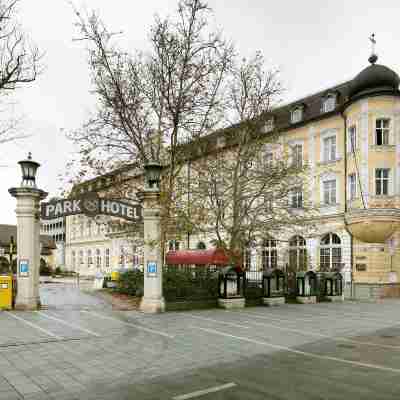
(197, 257)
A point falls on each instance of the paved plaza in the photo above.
(86, 350)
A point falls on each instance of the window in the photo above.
(269, 255)
(98, 258)
(352, 143)
(268, 203)
(107, 258)
(297, 254)
(382, 181)
(382, 131)
(201, 246)
(329, 103)
(352, 186)
(329, 188)
(297, 115)
(89, 257)
(269, 126)
(122, 256)
(268, 158)
(247, 259)
(89, 228)
(330, 255)
(329, 146)
(173, 245)
(297, 152)
(81, 257)
(296, 198)
(73, 260)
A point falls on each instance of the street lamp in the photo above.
(29, 169)
(152, 172)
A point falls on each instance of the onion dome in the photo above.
(375, 78)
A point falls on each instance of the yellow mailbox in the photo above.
(5, 292)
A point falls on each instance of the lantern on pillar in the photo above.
(29, 169)
(152, 171)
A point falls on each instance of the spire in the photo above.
(373, 58)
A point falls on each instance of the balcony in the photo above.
(373, 225)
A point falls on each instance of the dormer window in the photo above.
(296, 115)
(268, 126)
(329, 103)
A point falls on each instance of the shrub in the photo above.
(130, 282)
(45, 270)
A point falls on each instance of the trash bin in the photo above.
(6, 293)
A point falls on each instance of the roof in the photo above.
(312, 110)
(8, 231)
(374, 77)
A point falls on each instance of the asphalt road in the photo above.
(85, 350)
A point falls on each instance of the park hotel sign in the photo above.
(91, 205)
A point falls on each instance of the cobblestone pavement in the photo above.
(88, 351)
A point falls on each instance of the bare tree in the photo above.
(149, 104)
(19, 63)
(251, 186)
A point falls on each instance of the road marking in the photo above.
(316, 317)
(303, 353)
(340, 339)
(129, 324)
(219, 322)
(34, 325)
(68, 324)
(205, 391)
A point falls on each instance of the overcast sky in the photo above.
(316, 45)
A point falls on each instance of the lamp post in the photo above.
(152, 300)
(28, 235)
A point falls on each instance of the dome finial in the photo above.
(373, 58)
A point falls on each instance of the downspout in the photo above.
(345, 204)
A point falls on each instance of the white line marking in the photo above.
(34, 326)
(219, 322)
(205, 391)
(340, 339)
(316, 317)
(129, 324)
(74, 326)
(303, 353)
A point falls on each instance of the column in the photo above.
(28, 246)
(152, 300)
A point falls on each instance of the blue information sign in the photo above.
(151, 268)
(24, 267)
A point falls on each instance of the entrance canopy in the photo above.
(197, 257)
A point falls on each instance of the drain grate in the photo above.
(388, 336)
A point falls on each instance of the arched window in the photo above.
(173, 245)
(269, 254)
(201, 246)
(297, 254)
(81, 261)
(98, 258)
(89, 257)
(330, 253)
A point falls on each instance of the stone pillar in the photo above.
(152, 300)
(28, 246)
